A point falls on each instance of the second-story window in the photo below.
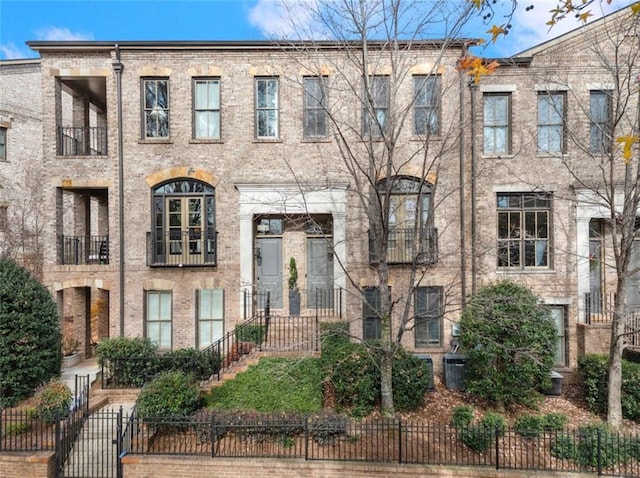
(497, 123)
(315, 104)
(375, 105)
(426, 108)
(206, 108)
(551, 116)
(524, 230)
(267, 105)
(156, 107)
(600, 123)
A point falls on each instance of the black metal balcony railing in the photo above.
(81, 141)
(83, 249)
(181, 248)
(407, 246)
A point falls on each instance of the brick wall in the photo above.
(170, 467)
(22, 465)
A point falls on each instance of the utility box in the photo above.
(453, 370)
(556, 385)
(429, 363)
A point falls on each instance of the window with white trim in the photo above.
(267, 108)
(206, 108)
(558, 315)
(551, 118)
(158, 320)
(497, 123)
(210, 310)
(155, 93)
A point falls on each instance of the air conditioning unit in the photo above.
(453, 371)
(429, 363)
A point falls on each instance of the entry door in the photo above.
(269, 270)
(185, 228)
(319, 272)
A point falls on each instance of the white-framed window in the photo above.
(206, 108)
(375, 106)
(427, 309)
(497, 123)
(155, 100)
(426, 106)
(558, 315)
(315, 107)
(158, 318)
(600, 121)
(267, 108)
(210, 316)
(551, 117)
(3, 143)
(524, 230)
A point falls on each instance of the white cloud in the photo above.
(272, 18)
(61, 34)
(9, 51)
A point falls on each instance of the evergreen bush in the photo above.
(130, 360)
(169, 397)
(510, 341)
(30, 337)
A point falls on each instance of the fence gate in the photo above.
(89, 446)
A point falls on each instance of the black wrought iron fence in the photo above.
(83, 249)
(81, 141)
(338, 438)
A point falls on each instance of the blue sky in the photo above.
(110, 20)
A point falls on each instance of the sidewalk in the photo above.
(88, 367)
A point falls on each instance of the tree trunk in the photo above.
(386, 384)
(614, 392)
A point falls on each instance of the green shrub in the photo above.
(30, 329)
(597, 444)
(564, 447)
(412, 378)
(529, 426)
(510, 342)
(170, 396)
(187, 361)
(129, 360)
(554, 422)
(53, 400)
(250, 333)
(479, 437)
(462, 416)
(595, 374)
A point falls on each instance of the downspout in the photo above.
(463, 244)
(474, 215)
(117, 68)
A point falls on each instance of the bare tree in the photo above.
(598, 165)
(390, 96)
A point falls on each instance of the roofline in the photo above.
(21, 61)
(238, 45)
(579, 30)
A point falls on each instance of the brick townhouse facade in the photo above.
(179, 178)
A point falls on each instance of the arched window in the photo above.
(184, 226)
(411, 237)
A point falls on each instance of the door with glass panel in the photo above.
(185, 230)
